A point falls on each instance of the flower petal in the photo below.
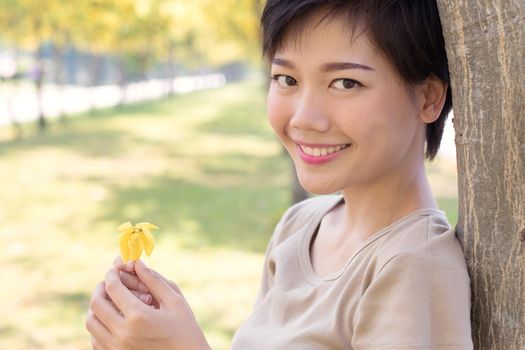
(134, 240)
(125, 227)
(146, 225)
(124, 247)
(147, 241)
(135, 247)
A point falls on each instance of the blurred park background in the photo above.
(140, 110)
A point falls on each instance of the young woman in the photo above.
(359, 96)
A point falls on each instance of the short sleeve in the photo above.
(267, 276)
(416, 301)
(268, 271)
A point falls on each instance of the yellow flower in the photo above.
(135, 239)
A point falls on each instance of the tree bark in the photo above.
(485, 42)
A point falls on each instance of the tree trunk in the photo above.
(95, 67)
(485, 41)
(123, 81)
(12, 90)
(38, 80)
(58, 70)
(170, 68)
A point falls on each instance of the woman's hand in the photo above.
(119, 318)
(129, 278)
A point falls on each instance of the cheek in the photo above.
(380, 122)
(278, 113)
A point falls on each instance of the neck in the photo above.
(370, 207)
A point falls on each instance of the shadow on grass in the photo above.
(234, 201)
(62, 124)
(73, 303)
(92, 143)
(164, 105)
(200, 214)
(78, 299)
(12, 337)
(61, 307)
(8, 330)
(87, 133)
(236, 121)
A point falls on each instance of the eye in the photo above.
(345, 84)
(284, 81)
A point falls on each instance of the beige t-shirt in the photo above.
(406, 287)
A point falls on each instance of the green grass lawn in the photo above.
(205, 167)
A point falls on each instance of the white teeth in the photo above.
(322, 151)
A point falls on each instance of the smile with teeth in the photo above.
(322, 151)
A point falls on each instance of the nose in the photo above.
(309, 113)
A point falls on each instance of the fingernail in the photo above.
(146, 298)
(129, 264)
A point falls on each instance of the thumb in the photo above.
(156, 285)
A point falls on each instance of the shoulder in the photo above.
(418, 260)
(302, 214)
(422, 240)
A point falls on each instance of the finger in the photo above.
(117, 261)
(119, 293)
(174, 286)
(155, 283)
(128, 267)
(146, 298)
(132, 282)
(104, 310)
(95, 345)
(170, 283)
(99, 333)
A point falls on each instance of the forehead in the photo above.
(327, 35)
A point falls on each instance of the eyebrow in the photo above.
(327, 67)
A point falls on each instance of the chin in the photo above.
(317, 188)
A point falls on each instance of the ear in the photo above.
(431, 95)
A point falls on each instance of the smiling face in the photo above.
(342, 111)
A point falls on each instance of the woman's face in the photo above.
(341, 110)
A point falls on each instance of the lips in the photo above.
(319, 153)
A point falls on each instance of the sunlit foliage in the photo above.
(207, 31)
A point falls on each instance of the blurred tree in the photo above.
(8, 19)
(186, 21)
(26, 24)
(99, 25)
(140, 34)
(235, 22)
(62, 21)
(485, 42)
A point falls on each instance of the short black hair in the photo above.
(407, 32)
